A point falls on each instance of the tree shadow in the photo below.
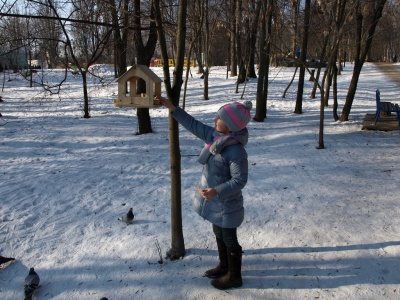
(317, 267)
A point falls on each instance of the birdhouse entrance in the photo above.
(138, 87)
(128, 89)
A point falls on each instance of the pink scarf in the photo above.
(220, 142)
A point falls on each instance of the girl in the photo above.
(218, 196)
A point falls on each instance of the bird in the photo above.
(4, 260)
(128, 218)
(31, 284)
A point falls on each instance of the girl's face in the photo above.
(220, 126)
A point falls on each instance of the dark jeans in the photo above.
(228, 235)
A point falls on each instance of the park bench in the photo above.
(385, 107)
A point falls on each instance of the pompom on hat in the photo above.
(236, 115)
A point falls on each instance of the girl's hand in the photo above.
(207, 193)
(168, 104)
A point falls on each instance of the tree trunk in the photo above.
(233, 41)
(198, 50)
(334, 92)
(300, 87)
(177, 241)
(316, 77)
(290, 83)
(321, 124)
(144, 53)
(362, 51)
(205, 80)
(86, 113)
(173, 92)
(198, 41)
(295, 14)
(328, 83)
(120, 37)
(206, 52)
(264, 45)
(239, 52)
(303, 57)
(191, 46)
(251, 72)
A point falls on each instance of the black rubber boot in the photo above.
(234, 276)
(222, 267)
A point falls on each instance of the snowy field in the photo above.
(319, 224)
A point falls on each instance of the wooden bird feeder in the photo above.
(127, 88)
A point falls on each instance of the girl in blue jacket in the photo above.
(218, 196)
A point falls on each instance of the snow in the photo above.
(319, 224)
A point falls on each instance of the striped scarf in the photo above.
(221, 141)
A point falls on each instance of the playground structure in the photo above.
(158, 62)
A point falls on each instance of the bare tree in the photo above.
(368, 14)
(120, 15)
(144, 52)
(386, 43)
(303, 57)
(253, 25)
(196, 21)
(337, 11)
(319, 67)
(211, 22)
(239, 51)
(198, 16)
(206, 47)
(78, 33)
(13, 38)
(50, 35)
(173, 92)
(294, 21)
(88, 41)
(233, 37)
(266, 9)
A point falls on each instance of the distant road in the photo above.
(391, 69)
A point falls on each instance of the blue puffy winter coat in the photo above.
(227, 172)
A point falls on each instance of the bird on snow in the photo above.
(31, 284)
(128, 218)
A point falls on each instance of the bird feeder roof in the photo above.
(141, 71)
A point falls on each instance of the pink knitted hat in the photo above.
(236, 115)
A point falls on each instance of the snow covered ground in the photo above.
(319, 224)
